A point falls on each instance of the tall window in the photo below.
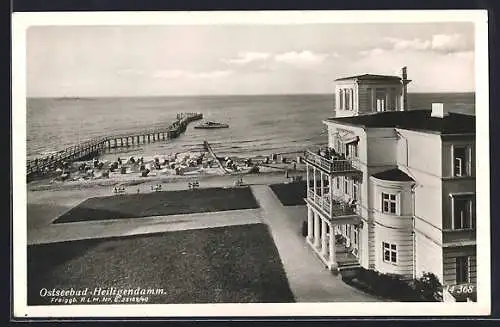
(346, 186)
(393, 104)
(347, 99)
(380, 98)
(389, 203)
(462, 156)
(352, 150)
(463, 212)
(337, 179)
(390, 252)
(355, 191)
(462, 270)
(341, 99)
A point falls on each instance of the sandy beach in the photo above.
(48, 198)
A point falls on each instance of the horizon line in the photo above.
(211, 95)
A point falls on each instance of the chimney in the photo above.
(405, 81)
(439, 110)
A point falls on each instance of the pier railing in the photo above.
(96, 145)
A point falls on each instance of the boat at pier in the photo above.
(211, 125)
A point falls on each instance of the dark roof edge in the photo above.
(393, 175)
(334, 120)
(368, 77)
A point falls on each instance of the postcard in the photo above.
(240, 164)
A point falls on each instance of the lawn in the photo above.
(291, 194)
(160, 204)
(236, 264)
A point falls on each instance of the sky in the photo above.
(243, 59)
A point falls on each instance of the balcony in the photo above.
(333, 166)
(335, 208)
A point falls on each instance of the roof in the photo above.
(393, 175)
(418, 120)
(371, 77)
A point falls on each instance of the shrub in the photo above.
(429, 288)
(389, 286)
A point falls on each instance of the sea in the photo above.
(260, 125)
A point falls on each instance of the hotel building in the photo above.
(393, 190)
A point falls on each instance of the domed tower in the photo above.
(368, 93)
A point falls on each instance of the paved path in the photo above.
(309, 280)
(45, 205)
(145, 225)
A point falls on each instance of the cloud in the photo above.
(444, 43)
(450, 43)
(303, 57)
(430, 71)
(372, 52)
(131, 72)
(169, 74)
(177, 74)
(248, 57)
(415, 44)
(211, 74)
(265, 60)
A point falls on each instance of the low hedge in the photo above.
(388, 286)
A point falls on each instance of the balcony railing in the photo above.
(335, 207)
(332, 165)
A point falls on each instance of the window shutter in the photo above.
(380, 201)
(472, 161)
(473, 212)
(452, 160)
(398, 203)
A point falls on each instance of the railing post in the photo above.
(314, 182)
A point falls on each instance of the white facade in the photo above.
(370, 93)
(414, 194)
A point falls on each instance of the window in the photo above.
(462, 270)
(352, 150)
(355, 235)
(380, 97)
(462, 157)
(341, 99)
(355, 191)
(347, 99)
(346, 186)
(463, 212)
(337, 179)
(390, 252)
(393, 104)
(389, 203)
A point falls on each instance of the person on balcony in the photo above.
(353, 204)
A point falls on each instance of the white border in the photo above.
(20, 23)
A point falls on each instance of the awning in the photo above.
(352, 139)
(347, 138)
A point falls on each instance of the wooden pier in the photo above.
(93, 147)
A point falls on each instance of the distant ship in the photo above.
(211, 125)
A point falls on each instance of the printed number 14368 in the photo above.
(461, 289)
